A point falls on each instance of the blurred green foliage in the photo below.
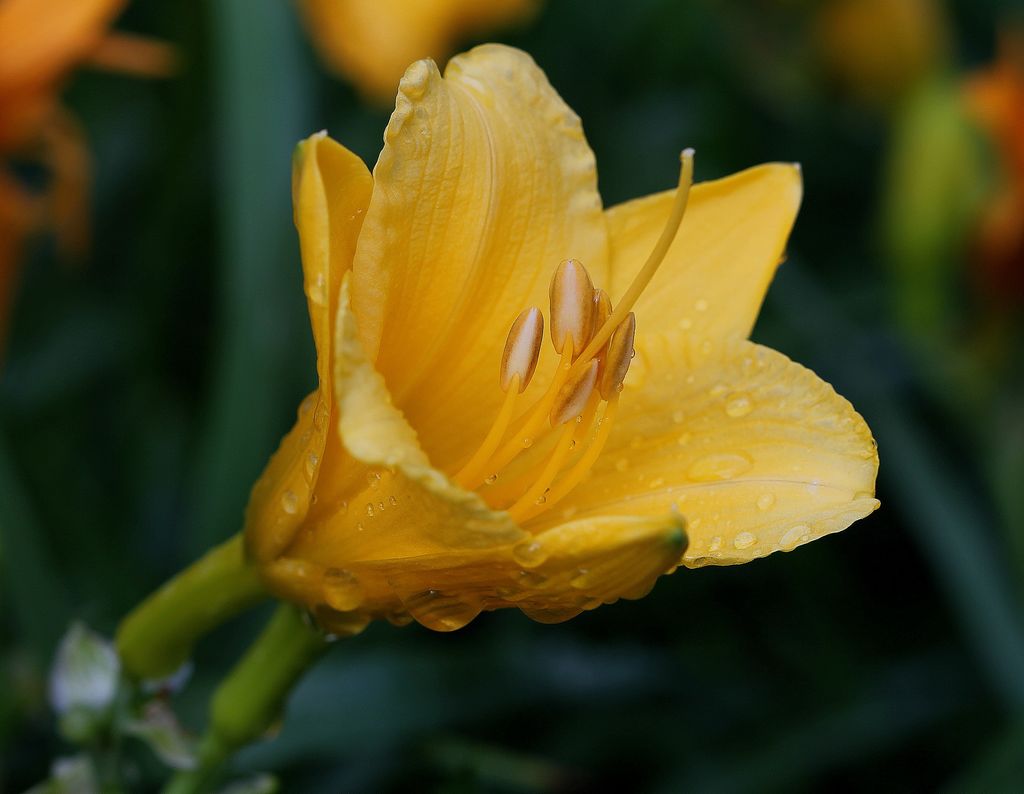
(143, 392)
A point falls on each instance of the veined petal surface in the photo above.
(484, 185)
(716, 273)
(757, 452)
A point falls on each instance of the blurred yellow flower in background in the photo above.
(371, 42)
(422, 481)
(879, 49)
(41, 41)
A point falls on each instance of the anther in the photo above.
(618, 356)
(572, 397)
(572, 305)
(522, 349)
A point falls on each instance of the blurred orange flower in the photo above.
(995, 98)
(371, 42)
(41, 41)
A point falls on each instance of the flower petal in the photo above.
(484, 185)
(567, 569)
(328, 222)
(717, 271)
(406, 508)
(758, 453)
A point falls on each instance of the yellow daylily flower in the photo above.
(371, 42)
(445, 465)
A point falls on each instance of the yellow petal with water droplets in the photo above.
(717, 271)
(552, 577)
(331, 188)
(757, 452)
(484, 185)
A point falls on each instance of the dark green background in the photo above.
(143, 392)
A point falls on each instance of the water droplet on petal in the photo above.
(393, 500)
(580, 579)
(342, 590)
(738, 405)
(312, 459)
(439, 611)
(527, 443)
(532, 579)
(765, 501)
(290, 502)
(744, 540)
(529, 553)
(491, 479)
(792, 538)
(369, 509)
(721, 466)
(373, 478)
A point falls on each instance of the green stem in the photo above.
(157, 637)
(252, 697)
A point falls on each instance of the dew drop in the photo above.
(290, 503)
(744, 540)
(318, 290)
(369, 509)
(716, 542)
(360, 527)
(527, 443)
(380, 506)
(541, 499)
(373, 478)
(343, 507)
(312, 459)
(721, 466)
(532, 579)
(439, 611)
(342, 590)
(491, 479)
(393, 500)
(580, 579)
(765, 501)
(738, 405)
(793, 537)
(529, 553)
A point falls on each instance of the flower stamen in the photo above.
(595, 342)
(653, 262)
